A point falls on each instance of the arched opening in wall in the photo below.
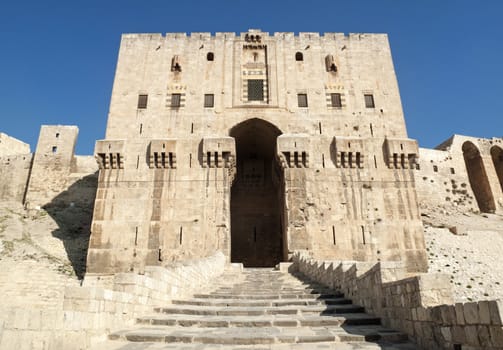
(497, 156)
(478, 178)
(257, 196)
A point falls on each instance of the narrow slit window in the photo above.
(209, 100)
(302, 100)
(142, 101)
(369, 101)
(336, 100)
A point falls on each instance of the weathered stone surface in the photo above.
(210, 322)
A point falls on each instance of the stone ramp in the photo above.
(259, 309)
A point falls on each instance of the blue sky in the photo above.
(57, 58)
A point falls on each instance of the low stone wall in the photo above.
(421, 306)
(92, 311)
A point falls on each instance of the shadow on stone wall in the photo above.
(72, 210)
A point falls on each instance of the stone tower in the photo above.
(257, 146)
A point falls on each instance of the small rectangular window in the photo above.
(54, 149)
(142, 101)
(255, 90)
(176, 100)
(209, 100)
(336, 100)
(435, 168)
(302, 100)
(369, 101)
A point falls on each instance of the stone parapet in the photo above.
(92, 311)
(421, 306)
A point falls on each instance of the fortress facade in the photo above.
(258, 146)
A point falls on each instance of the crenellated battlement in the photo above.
(303, 36)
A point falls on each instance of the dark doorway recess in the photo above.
(497, 156)
(257, 196)
(478, 178)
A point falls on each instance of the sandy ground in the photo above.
(473, 257)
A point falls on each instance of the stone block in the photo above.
(496, 336)
(35, 320)
(496, 312)
(484, 336)
(484, 315)
(448, 313)
(472, 337)
(458, 335)
(460, 316)
(446, 333)
(72, 292)
(471, 312)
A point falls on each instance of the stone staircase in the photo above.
(260, 309)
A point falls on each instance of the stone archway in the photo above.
(497, 156)
(478, 178)
(257, 196)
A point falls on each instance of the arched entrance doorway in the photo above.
(478, 178)
(497, 156)
(257, 203)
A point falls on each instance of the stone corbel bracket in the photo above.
(219, 152)
(162, 154)
(293, 150)
(401, 153)
(110, 154)
(349, 152)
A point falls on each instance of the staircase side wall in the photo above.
(90, 312)
(421, 306)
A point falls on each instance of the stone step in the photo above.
(261, 309)
(256, 311)
(125, 345)
(265, 290)
(254, 335)
(259, 321)
(258, 302)
(218, 295)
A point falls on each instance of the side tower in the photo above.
(258, 146)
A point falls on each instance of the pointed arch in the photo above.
(478, 178)
(257, 196)
(497, 157)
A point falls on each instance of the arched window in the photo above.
(210, 56)
(299, 56)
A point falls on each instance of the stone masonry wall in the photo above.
(442, 177)
(15, 164)
(92, 311)
(420, 306)
(11, 146)
(343, 171)
(14, 173)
